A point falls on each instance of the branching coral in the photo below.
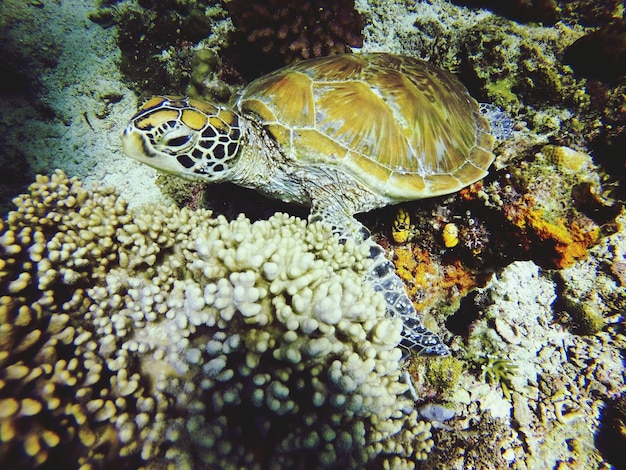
(161, 336)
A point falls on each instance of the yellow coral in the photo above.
(444, 373)
(450, 235)
(566, 158)
(401, 228)
(405, 263)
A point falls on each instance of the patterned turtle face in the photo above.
(185, 137)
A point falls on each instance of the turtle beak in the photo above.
(133, 145)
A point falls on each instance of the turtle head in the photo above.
(185, 137)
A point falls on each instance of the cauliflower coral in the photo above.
(160, 336)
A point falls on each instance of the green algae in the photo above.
(496, 370)
(444, 373)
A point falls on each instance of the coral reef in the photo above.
(591, 292)
(431, 281)
(160, 336)
(515, 67)
(498, 60)
(205, 82)
(520, 69)
(479, 448)
(282, 31)
(557, 244)
(493, 335)
(549, 208)
(561, 381)
(65, 400)
(583, 317)
(608, 140)
(590, 12)
(547, 201)
(444, 373)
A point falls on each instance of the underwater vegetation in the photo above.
(496, 370)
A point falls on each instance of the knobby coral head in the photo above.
(158, 336)
(298, 30)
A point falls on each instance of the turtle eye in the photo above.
(177, 141)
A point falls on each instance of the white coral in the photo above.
(196, 319)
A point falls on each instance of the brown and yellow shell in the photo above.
(401, 126)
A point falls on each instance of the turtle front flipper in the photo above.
(415, 336)
(382, 276)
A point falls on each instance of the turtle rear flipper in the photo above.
(382, 276)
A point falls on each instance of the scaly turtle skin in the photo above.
(343, 134)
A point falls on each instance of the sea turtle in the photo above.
(344, 134)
